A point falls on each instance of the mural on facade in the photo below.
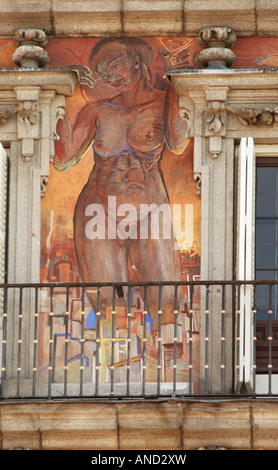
(125, 146)
(129, 140)
(128, 144)
(122, 150)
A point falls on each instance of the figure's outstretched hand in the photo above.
(86, 78)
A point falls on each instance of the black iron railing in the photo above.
(55, 345)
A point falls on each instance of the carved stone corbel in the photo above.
(28, 119)
(30, 52)
(215, 129)
(217, 42)
(216, 114)
(26, 110)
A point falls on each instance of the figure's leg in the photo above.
(157, 260)
(99, 260)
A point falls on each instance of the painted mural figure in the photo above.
(128, 133)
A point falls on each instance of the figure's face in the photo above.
(120, 70)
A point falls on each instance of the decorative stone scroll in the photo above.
(198, 180)
(265, 117)
(44, 181)
(60, 114)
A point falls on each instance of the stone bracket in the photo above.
(215, 125)
(226, 105)
(27, 119)
(217, 42)
(30, 52)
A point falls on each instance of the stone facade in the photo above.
(211, 425)
(132, 17)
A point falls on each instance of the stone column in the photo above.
(214, 169)
(33, 101)
(217, 42)
(224, 105)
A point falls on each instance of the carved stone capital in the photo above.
(31, 107)
(30, 52)
(217, 42)
(27, 119)
(215, 125)
(31, 36)
(216, 117)
(28, 113)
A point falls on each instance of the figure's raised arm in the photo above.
(176, 122)
(73, 141)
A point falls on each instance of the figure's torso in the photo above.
(139, 128)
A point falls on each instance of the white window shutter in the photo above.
(245, 255)
(3, 212)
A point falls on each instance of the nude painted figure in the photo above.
(128, 133)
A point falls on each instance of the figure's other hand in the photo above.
(173, 61)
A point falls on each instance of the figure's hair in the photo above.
(138, 45)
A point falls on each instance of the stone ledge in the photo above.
(63, 81)
(238, 15)
(169, 17)
(171, 425)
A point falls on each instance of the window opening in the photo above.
(266, 260)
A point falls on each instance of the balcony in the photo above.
(54, 346)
